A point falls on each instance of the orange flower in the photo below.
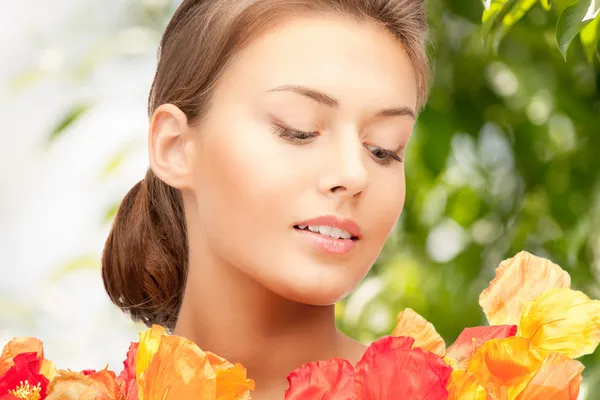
(518, 280)
(91, 385)
(554, 324)
(175, 365)
(460, 352)
(512, 369)
(463, 386)
(536, 294)
(26, 345)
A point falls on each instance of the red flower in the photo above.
(389, 369)
(26, 369)
(128, 374)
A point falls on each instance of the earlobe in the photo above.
(167, 137)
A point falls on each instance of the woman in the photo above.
(277, 135)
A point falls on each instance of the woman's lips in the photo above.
(325, 243)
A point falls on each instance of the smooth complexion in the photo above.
(310, 120)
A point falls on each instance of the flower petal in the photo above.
(148, 346)
(232, 383)
(86, 385)
(564, 321)
(559, 378)
(26, 368)
(48, 369)
(231, 379)
(415, 326)
(519, 280)
(326, 380)
(18, 346)
(502, 364)
(470, 339)
(389, 371)
(463, 385)
(108, 384)
(180, 369)
(128, 375)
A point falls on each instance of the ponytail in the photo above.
(145, 258)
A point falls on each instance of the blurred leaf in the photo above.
(65, 123)
(570, 23)
(110, 214)
(546, 4)
(116, 160)
(500, 17)
(26, 79)
(82, 263)
(589, 38)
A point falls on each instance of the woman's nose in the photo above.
(346, 174)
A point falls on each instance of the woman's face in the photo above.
(309, 122)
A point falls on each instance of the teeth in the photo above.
(329, 231)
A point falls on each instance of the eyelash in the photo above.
(300, 136)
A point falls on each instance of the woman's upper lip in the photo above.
(336, 222)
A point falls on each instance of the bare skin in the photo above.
(257, 293)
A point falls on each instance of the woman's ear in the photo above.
(167, 140)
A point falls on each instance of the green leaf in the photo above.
(546, 4)
(570, 23)
(590, 36)
(70, 117)
(500, 16)
(111, 212)
(116, 160)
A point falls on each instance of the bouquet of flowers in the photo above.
(538, 327)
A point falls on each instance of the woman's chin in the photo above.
(314, 293)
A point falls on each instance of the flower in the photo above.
(460, 352)
(552, 316)
(127, 377)
(175, 365)
(23, 379)
(85, 385)
(390, 369)
(519, 280)
(555, 324)
(26, 345)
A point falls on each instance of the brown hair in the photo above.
(145, 259)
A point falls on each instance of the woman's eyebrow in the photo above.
(325, 99)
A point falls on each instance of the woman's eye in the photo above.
(383, 156)
(294, 135)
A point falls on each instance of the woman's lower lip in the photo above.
(327, 244)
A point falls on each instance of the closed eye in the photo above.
(382, 155)
(294, 135)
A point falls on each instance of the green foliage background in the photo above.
(505, 156)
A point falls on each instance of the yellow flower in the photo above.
(518, 280)
(562, 320)
(459, 354)
(149, 342)
(505, 366)
(463, 386)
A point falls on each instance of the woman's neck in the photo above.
(226, 312)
